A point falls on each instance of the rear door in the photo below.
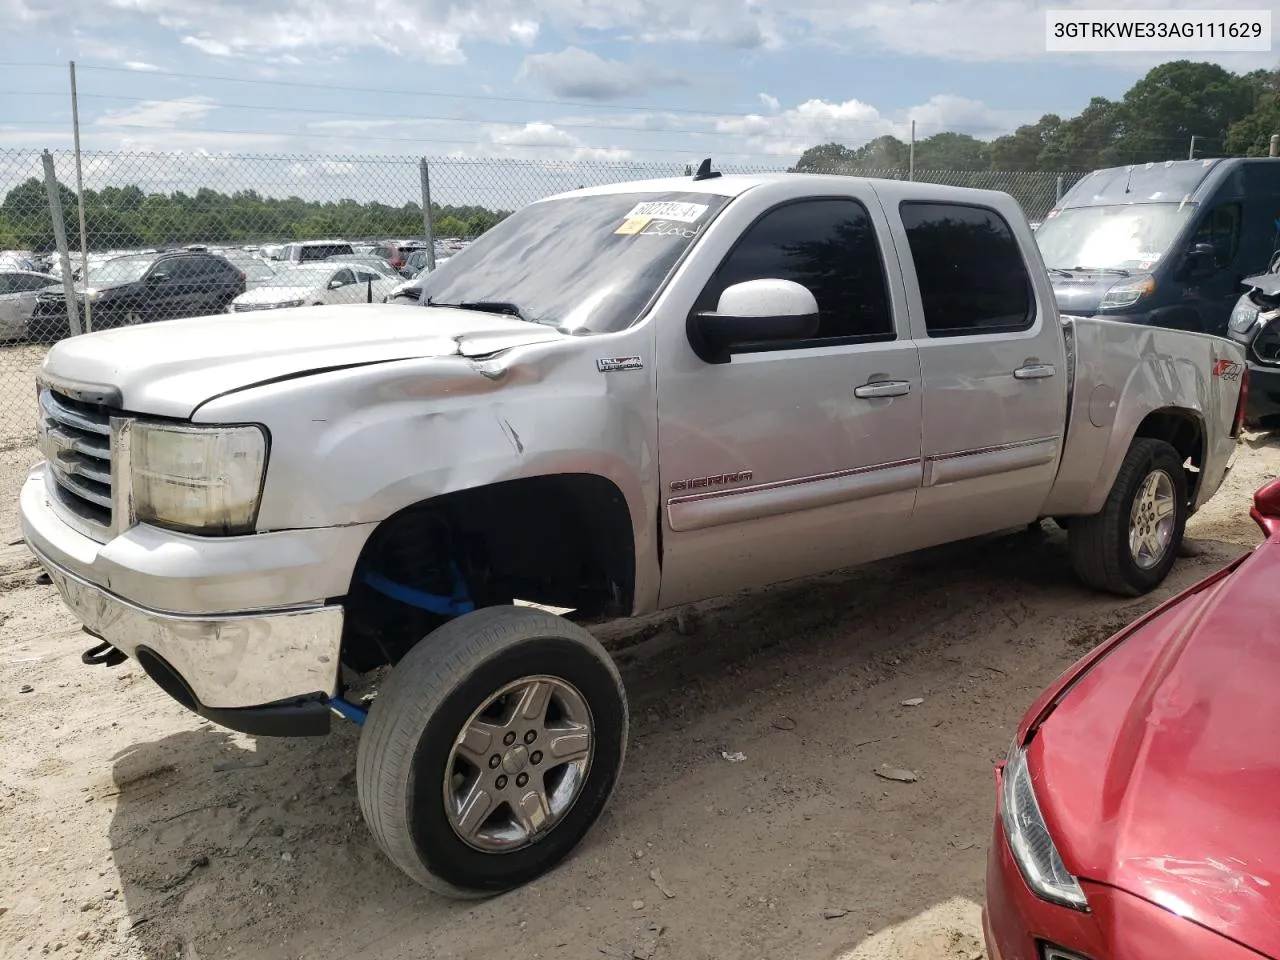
(993, 367)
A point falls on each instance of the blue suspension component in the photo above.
(453, 606)
(348, 710)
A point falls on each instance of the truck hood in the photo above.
(170, 368)
(1157, 772)
(1081, 294)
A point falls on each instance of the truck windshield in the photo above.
(586, 264)
(1131, 236)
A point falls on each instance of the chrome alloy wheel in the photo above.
(1151, 520)
(518, 764)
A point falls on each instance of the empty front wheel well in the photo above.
(1184, 431)
(563, 540)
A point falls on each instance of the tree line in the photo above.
(126, 217)
(1229, 114)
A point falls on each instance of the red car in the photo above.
(1138, 810)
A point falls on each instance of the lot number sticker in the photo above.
(668, 210)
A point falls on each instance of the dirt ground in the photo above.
(129, 828)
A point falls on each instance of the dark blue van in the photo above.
(1164, 244)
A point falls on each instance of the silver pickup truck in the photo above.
(619, 400)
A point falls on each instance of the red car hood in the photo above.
(1159, 771)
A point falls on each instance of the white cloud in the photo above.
(853, 123)
(159, 114)
(814, 121)
(214, 48)
(437, 30)
(545, 140)
(140, 66)
(574, 73)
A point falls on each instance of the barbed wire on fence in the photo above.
(188, 234)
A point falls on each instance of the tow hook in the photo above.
(105, 654)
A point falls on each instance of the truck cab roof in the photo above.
(735, 184)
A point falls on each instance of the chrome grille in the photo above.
(75, 440)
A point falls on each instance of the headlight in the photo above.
(291, 303)
(1029, 839)
(1128, 293)
(1244, 316)
(197, 479)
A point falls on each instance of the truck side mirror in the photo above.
(755, 311)
(1200, 262)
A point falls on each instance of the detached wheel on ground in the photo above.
(1129, 547)
(491, 750)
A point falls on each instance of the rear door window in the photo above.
(972, 277)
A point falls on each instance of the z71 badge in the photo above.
(1227, 369)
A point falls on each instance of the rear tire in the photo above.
(556, 726)
(1129, 547)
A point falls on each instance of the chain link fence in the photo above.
(192, 234)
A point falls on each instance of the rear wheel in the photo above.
(1129, 547)
(491, 750)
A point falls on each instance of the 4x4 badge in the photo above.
(614, 364)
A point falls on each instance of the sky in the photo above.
(747, 82)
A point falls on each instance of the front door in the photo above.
(994, 372)
(803, 456)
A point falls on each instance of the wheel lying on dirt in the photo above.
(491, 749)
(1129, 547)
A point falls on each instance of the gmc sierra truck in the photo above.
(618, 400)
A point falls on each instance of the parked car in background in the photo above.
(311, 284)
(19, 260)
(1163, 244)
(1255, 325)
(256, 270)
(18, 289)
(417, 262)
(366, 260)
(396, 252)
(306, 251)
(142, 288)
(1136, 806)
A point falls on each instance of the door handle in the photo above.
(883, 388)
(1034, 371)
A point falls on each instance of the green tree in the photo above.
(952, 151)
(1174, 102)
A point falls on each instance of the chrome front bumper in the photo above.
(234, 661)
(241, 621)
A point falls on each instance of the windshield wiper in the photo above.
(505, 307)
(1060, 271)
(1116, 270)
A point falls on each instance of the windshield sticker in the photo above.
(632, 226)
(669, 210)
(664, 228)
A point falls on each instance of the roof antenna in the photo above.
(705, 172)
(1128, 179)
